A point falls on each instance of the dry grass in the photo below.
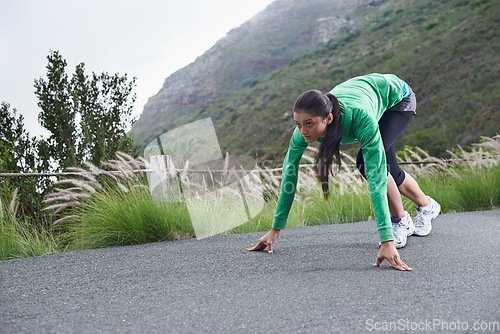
(467, 177)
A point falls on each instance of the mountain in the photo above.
(448, 51)
(284, 30)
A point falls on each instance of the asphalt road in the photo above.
(319, 280)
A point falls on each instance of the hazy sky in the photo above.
(149, 39)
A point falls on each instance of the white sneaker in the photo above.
(402, 230)
(425, 214)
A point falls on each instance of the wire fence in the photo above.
(193, 171)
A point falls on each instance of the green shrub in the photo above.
(479, 189)
(114, 217)
(19, 239)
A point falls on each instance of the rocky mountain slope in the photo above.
(284, 30)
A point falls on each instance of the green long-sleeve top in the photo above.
(363, 100)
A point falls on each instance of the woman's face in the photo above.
(311, 127)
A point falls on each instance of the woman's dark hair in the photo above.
(320, 104)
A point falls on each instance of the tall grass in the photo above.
(114, 205)
(19, 239)
(116, 208)
(478, 190)
(116, 217)
(471, 183)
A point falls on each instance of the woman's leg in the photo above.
(393, 191)
(391, 125)
(394, 198)
(410, 189)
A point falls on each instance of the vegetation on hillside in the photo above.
(448, 51)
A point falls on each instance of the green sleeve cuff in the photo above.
(385, 233)
(279, 224)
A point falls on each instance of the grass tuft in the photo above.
(115, 217)
(19, 239)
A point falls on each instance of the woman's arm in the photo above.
(366, 129)
(289, 179)
(287, 193)
(367, 132)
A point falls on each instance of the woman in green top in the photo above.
(372, 109)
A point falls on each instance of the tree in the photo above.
(17, 149)
(87, 119)
(102, 104)
(58, 115)
(19, 153)
(105, 105)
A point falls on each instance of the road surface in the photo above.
(320, 279)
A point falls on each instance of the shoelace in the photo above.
(419, 220)
(400, 225)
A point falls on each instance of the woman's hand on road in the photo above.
(266, 241)
(389, 252)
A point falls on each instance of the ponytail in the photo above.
(329, 147)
